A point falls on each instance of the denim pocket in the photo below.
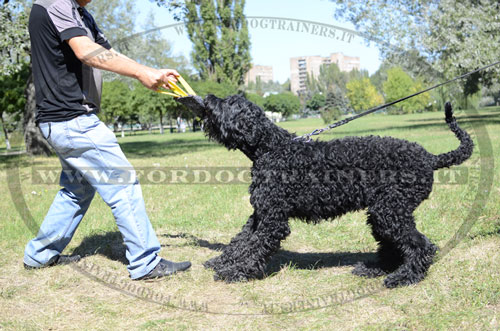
(57, 135)
(87, 122)
(45, 130)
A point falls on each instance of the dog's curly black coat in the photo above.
(324, 179)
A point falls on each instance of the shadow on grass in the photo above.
(155, 148)
(304, 261)
(464, 118)
(14, 161)
(109, 245)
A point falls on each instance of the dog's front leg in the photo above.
(246, 256)
(221, 261)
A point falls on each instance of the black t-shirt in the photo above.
(65, 87)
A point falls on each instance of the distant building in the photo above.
(302, 66)
(264, 72)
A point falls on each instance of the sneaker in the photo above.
(166, 268)
(57, 260)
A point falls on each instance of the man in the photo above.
(67, 50)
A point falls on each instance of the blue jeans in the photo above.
(93, 161)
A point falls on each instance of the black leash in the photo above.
(316, 132)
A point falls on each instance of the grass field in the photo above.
(309, 286)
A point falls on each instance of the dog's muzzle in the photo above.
(195, 103)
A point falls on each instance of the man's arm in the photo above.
(97, 56)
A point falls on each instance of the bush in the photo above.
(284, 103)
(330, 114)
(316, 102)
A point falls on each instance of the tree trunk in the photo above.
(7, 142)
(35, 143)
(161, 122)
(170, 125)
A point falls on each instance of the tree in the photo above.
(432, 36)
(380, 76)
(219, 33)
(14, 44)
(115, 18)
(316, 102)
(398, 85)
(152, 106)
(12, 100)
(336, 98)
(335, 105)
(15, 51)
(284, 103)
(329, 76)
(149, 48)
(363, 95)
(221, 90)
(116, 104)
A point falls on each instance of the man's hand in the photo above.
(154, 79)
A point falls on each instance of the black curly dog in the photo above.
(324, 179)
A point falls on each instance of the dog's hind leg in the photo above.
(388, 257)
(402, 243)
(246, 256)
(418, 254)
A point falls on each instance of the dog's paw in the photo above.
(216, 263)
(399, 279)
(211, 264)
(370, 271)
(229, 275)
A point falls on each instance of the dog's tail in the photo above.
(463, 152)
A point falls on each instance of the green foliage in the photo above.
(362, 95)
(380, 76)
(256, 99)
(398, 85)
(14, 43)
(116, 105)
(121, 105)
(316, 102)
(283, 103)
(115, 18)
(331, 77)
(219, 33)
(449, 37)
(151, 107)
(221, 90)
(12, 98)
(328, 115)
(336, 99)
(336, 104)
(333, 82)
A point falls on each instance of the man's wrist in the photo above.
(138, 71)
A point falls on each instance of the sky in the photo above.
(274, 42)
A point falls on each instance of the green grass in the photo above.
(462, 290)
